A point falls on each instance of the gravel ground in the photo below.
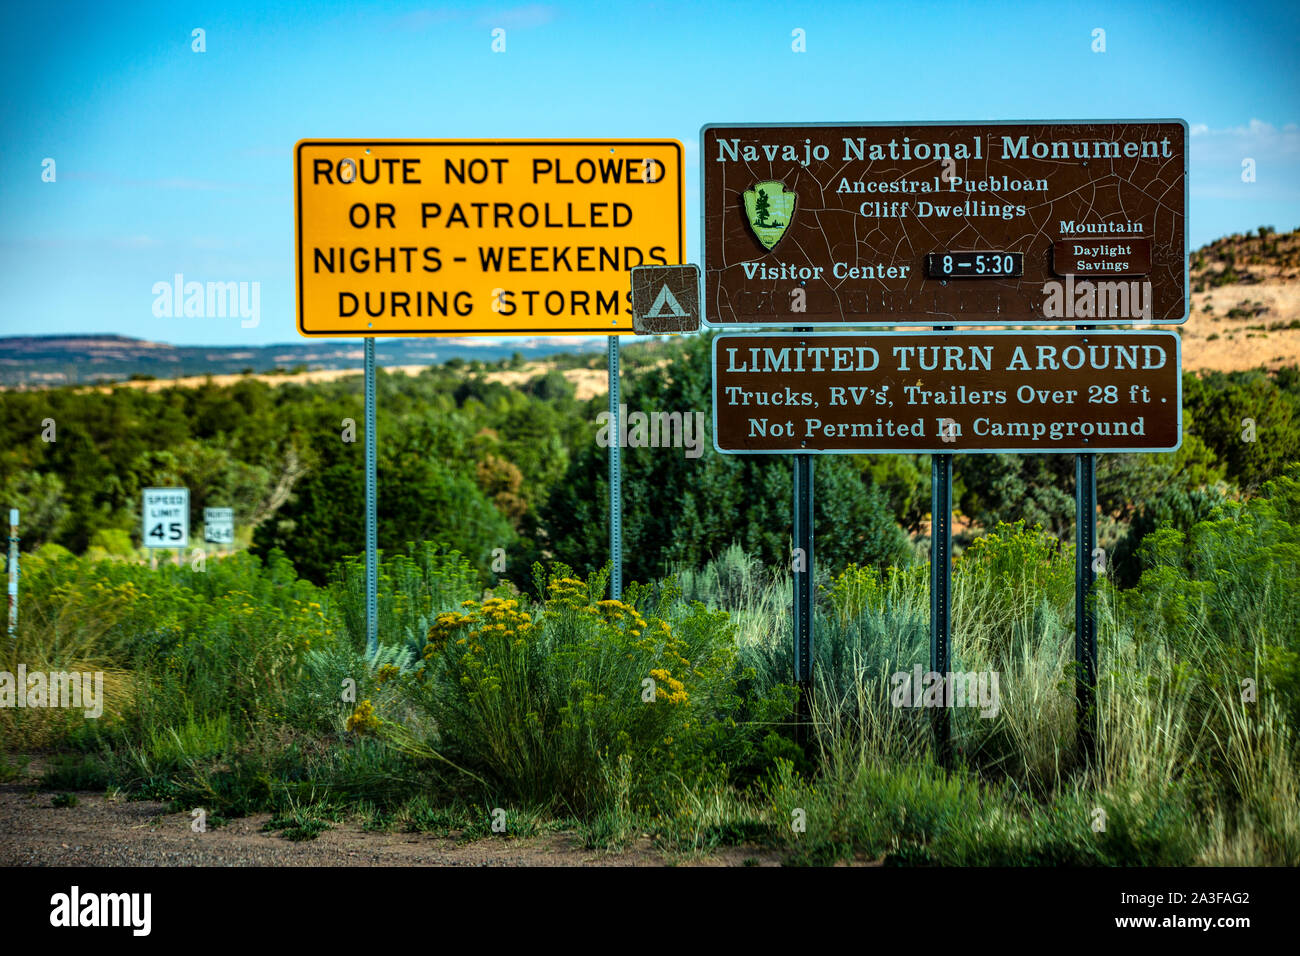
(112, 831)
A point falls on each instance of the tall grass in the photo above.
(246, 687)
(65, 626)
(1171, 727)
(413, 588)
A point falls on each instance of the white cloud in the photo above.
(1255, 139)
(424, 19)
(520, 18)
(511, 18)
(1218, 156)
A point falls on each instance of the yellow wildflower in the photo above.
(363, 719)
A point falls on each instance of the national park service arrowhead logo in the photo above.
(769, 209)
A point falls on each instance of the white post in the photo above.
(13, 573)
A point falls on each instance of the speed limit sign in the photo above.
(166, 517)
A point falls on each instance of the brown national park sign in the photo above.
(1074, 223)
(947, 393)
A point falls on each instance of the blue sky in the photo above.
(173, 161)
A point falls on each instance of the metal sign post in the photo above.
(803, 580)
(941, 586)
(615, 478)
(665, 300)
(941, 589)
(372, 525)
(13, 573)
(803, 574)
(1085, 610)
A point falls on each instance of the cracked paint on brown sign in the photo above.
(947, 393)
(874, 200)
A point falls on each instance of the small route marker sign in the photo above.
(947, 393)
(481, 237)
(666, 299)
(166, 517)
(219, 525)
(1062, 223)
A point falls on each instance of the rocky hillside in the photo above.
(1245, 303)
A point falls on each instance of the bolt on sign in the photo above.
(481, 237)
(219, 525)
(166, 517)
(947, 393)
(821, 225)
(666, 299)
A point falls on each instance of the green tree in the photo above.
(213, 475)
(685, 510)
(1002, 487)
(1250, 420)
(42, 512)
(423, 495)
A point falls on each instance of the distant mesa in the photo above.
(40, 361)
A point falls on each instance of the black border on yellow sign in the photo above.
(425, 332)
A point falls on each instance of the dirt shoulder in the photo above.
(105, 831)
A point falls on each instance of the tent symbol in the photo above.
(666, 306)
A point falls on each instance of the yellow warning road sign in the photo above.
(481, 237)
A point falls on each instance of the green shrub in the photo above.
(75, 772)
(541, 703)
(114, 541)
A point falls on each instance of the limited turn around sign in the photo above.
(947, 393)
(1073, 223)
(482, 237)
